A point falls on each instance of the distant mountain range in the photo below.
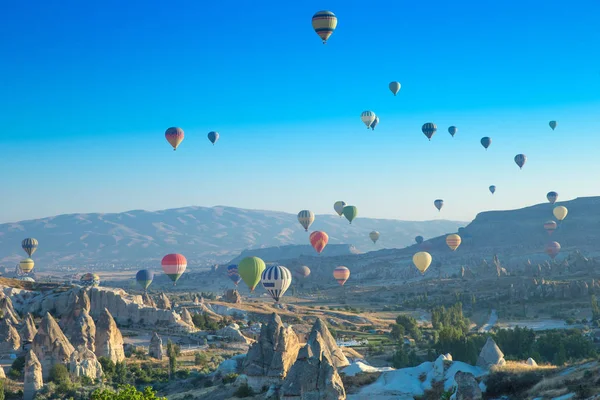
(205, 235)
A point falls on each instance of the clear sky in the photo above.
(87, 89)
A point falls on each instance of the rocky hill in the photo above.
(204, 235)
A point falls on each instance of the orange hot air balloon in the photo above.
(453, 241)
(341, 274)
(318, 240)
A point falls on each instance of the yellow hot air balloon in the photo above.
(453, 241)
(560, 212)
(26, 265)
(422, 261)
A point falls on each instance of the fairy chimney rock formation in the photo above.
(336, 355)
(163, 302)
(109, 341)
(50, 345)
(32, 376)
(147, 300)
(77, 324)
(187, 317)
(156, 349)
(490, 355)
(28, 329)
(83, 362)
(10, 341)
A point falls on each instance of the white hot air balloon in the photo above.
(367, 118)
(276, 280)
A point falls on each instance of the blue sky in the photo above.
(88, 89)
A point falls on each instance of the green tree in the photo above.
(595, 309)
(397, 332)
(560, 358)
(1, 389)
(411, 327)
(172, 352)
(59, 374)
(126, 392)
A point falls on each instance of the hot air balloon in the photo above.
(429, 129)
(250, 269)
(233, 274)
(26, 265)
(439, 203)
(367, 118)
(552, 197)
(276, 280)
(30, 245)
(89, 280)
(486, 141)
(144, 278)
(341, 274)
(550, 226)
(338, 206)
(306, 218)
(350, 212)
(174, 136)
(419, 239)
(553, 124)
(374, 123)
(394, 87)
(213, 137)
(552, 249)
(422, 261)
(324, 23)
(453, 241)
(520, 159)
(318, 240)
(493, 189)
(560, 212)
(174, 266)
(302, 271)
(374, 236)
(452, 130)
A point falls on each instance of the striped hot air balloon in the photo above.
(89, 280)
(318, 240)
(26, 265)
(550, 227)
(341, 274)
(174, 136)
(144, 278)
(174, 266)
(306, 218)
(429, 129)
(276, 280)
(233, 274)
(324, 23)
(552, 249)
(453, 241)
(30, 245)
(367, 117)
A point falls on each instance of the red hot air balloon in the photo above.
(552, 249)
(174, 266)
(318, 240)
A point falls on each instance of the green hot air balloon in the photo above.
(350, 212)
(250, 269)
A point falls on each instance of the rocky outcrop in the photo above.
(163, 302)
(232, 296)
(28, 329)
(490, 355)
(270, 358)
(156, 349)
(467, 387)
(50, 345)
(32, 376)
(335, 354)
(232, 333)
(77, 324)
(547, 289)
(10, 341)
(187, 317)
(83, 362)
(147, 300)
(109, 341)
(313, 375)
(125, 308)
(7, 310)
(531, 362)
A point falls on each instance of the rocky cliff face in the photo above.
(328, 345)
(10, 341)
(156, 348)
(124, 308)
(7, 310)
(109, 341)
(83, 362)
(270, 358)
(28, 329)
(50, 345)
(163, 302)
(232, 296)
(187, 317)
(490, 355)
(33, 376)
